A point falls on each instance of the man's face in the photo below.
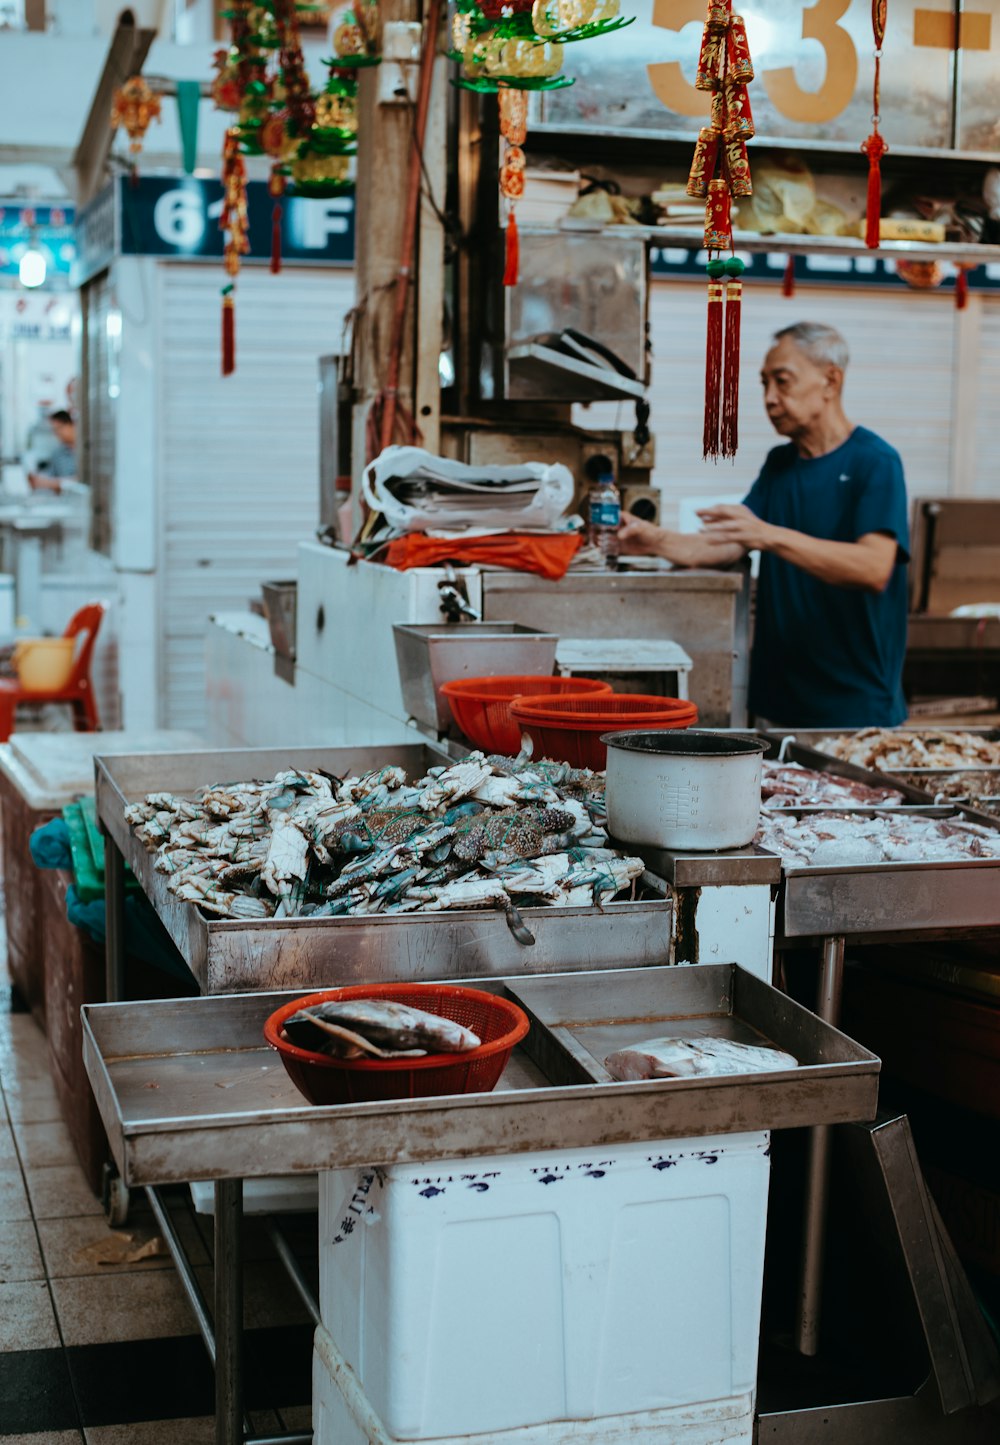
(797, 392)
(65, 432)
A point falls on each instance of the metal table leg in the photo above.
(229, 1312)
(831, 983)
(114, 903)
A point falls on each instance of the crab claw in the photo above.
(517, 925)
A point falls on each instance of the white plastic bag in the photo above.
(418, 492)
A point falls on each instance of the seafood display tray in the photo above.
(797, 746)
(228, 955)
(187, 1088)
(901, 899)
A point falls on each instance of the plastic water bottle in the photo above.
(605, 507)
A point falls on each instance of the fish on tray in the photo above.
(687, 1058)
(353, 1028)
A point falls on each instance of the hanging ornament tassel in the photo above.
(513, 107)
(875, 147)
(228, 331)
(276, 238)
(713, 360)
(512, 261)
(729, 439)
(276, 186)
(788, 279)
(961, 288)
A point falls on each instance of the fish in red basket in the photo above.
(352, 1028)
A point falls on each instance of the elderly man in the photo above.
(828, 515)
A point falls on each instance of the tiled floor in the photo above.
(99, 1348)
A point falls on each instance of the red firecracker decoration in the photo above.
(513, 105)
(875, 147)
(720, 171)
(234, 222)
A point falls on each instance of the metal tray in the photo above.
(892, 898)
(188, 1089)
(227, 956)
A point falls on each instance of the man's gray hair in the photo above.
(822, 344)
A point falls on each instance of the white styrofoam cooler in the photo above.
(493, 1294)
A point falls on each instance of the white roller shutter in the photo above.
(984, 478)
(238, 469)
(899, 381)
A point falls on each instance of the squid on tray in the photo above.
(488, 832)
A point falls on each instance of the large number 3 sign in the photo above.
(818, 23)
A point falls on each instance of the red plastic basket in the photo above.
(569, 728)
(498, 1022)
(481, 705)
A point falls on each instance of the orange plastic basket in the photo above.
(569, 729)
(481, 705)
(498, 1022)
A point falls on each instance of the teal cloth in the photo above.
(49, 846)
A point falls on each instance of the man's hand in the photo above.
(737, 524)
(638, 537)
(38, 483)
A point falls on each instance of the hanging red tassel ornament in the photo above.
(228, 331)
(962, 285)
(713, 359)
(724, 68)
(512, 257)
(788, 279)
(513, 107)
(276, 187)
(729, 433)
(875, 147)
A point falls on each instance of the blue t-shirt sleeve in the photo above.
(757, 497)
(881, 501)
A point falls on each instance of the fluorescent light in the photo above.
(31, 268)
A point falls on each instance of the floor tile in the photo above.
(141, 1381)
(13, 1196)
(42, 1145)
(154, 1432)
(37, 1104)
(19, 1255)
(26, 1318)
(60, 1192)
(88, 1246)
(122, 1306)
(36, 1394)
(60, 1437)
(269, 1297)
(8, 1147)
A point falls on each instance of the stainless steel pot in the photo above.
(685, 789)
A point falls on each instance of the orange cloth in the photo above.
(548, 555)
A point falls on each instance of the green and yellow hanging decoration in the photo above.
(509, 47)
(261, 79)
(720, 172)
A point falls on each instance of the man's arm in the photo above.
(867, 563)
(686, 549)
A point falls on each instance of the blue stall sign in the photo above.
(49, 229)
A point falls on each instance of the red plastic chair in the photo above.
(78, 691)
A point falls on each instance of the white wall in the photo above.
(923, 375)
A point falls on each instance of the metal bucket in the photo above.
(684, 790)
(433, 653)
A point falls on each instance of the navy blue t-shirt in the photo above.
(826, 656)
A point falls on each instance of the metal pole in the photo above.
(284, 1252)
(831, 983)
(229, 1312)
(114, 907)
(182, 1264)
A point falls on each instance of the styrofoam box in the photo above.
(494, 1293)
(343, 1415)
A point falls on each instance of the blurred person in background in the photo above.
(60, 465)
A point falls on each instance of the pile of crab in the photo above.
(488, 832)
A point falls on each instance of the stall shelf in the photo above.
(224, 1109)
